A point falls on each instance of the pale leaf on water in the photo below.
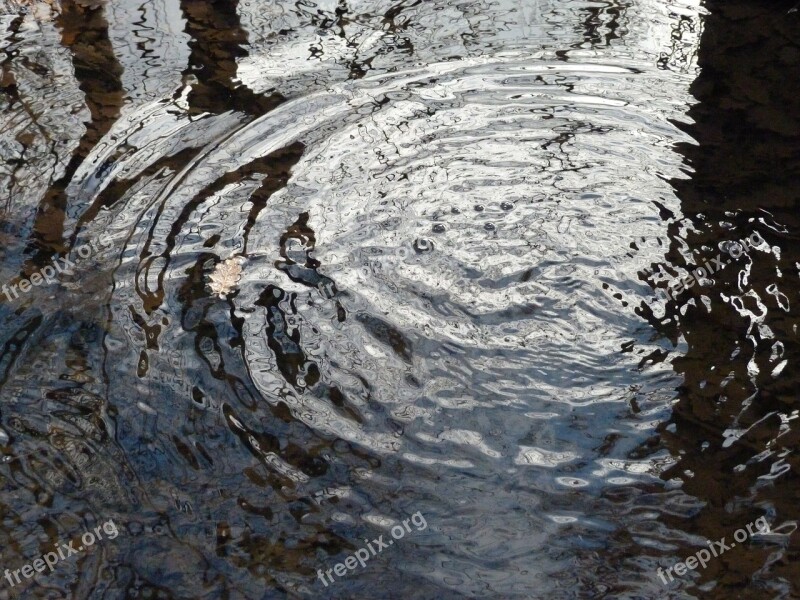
(226, 275)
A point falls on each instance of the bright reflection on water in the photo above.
(444, 211)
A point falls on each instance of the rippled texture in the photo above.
(369, 258)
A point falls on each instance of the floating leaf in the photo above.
(226, 275)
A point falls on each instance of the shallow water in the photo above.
(448, 227)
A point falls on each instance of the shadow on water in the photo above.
(734, 431)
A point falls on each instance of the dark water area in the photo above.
(380, 299)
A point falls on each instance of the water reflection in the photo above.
(444, 211)
(732, 425)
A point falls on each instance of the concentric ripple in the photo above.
(441, 280)
(465, 213)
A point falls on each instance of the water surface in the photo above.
(452, 220)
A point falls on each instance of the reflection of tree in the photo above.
(734, 428)
(85, 31)
(217, 41)
(356, 30)
(602, 23)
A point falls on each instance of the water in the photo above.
(445, 225)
